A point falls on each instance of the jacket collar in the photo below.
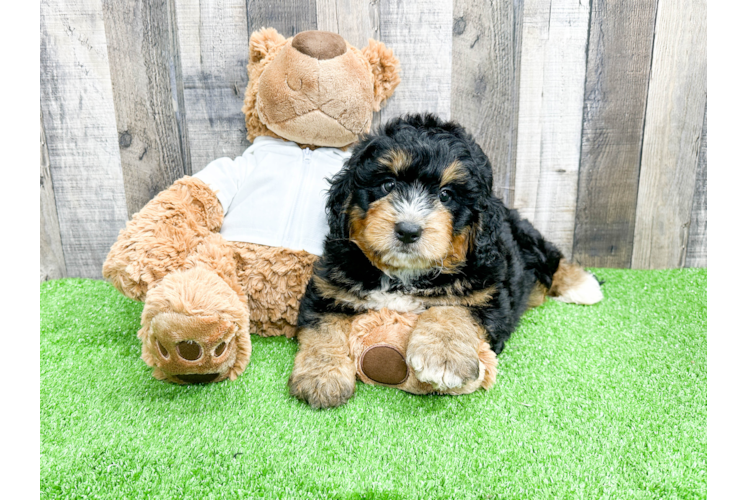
(265, 141)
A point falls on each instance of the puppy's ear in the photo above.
(487, 250)
(262, 42)
(343, 184)
(338, 197)
(384, 70)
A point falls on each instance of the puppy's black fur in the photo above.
(507, 253)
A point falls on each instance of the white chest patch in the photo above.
(393, 301)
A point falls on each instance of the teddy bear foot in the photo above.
(380, 347)
(195, 329)
(384, 364)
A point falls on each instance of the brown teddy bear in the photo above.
(230, 250)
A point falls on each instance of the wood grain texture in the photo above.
(80, 126)
(510, 179)
(288, 17)
(615, 99)
(420, 34)
(214, 50)
(141, 63)
(554, 43)
(696, 250)
(52, 260)
(355, 20)
(483, 81)
(672, 132)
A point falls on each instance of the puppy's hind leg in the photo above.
(571, 283)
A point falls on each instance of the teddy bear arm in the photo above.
(161, 236)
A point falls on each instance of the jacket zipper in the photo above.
(306, 162)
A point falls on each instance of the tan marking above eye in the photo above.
(455, 172)
(395, 159)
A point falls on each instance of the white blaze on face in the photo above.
(415, 205)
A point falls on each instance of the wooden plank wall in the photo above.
(593, 113)
(80, 126)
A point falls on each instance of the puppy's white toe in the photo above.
(586, 291)
(451, 381)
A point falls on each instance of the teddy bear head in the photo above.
(315, 88)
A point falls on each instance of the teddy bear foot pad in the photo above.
(384, 364)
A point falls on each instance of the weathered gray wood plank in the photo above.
(141, 63)
(696, 251)
(615, 99)
(509, 181)
(288, 17)
(672, 132)
(554, 43)
(52, 265)
(420, 34)
(213, 49)
(176, 80)
(81, 131)
(483, 80)
(355, 20)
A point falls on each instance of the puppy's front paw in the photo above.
(323, 388)
(444, 364)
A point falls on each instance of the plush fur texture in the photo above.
(202, 288)
(416, 229)
(203, 294)
(274, 279)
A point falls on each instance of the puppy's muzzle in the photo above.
(408, 232)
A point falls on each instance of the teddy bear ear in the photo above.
(384, 69)
(261, 42)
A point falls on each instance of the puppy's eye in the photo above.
(445, 195)
(388, 185)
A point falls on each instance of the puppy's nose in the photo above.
(407, 232)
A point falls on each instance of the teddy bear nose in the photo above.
(319, 44)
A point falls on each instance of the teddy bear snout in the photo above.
(320, 45)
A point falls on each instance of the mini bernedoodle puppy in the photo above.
(415, 228)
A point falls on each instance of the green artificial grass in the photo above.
(603, 401)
